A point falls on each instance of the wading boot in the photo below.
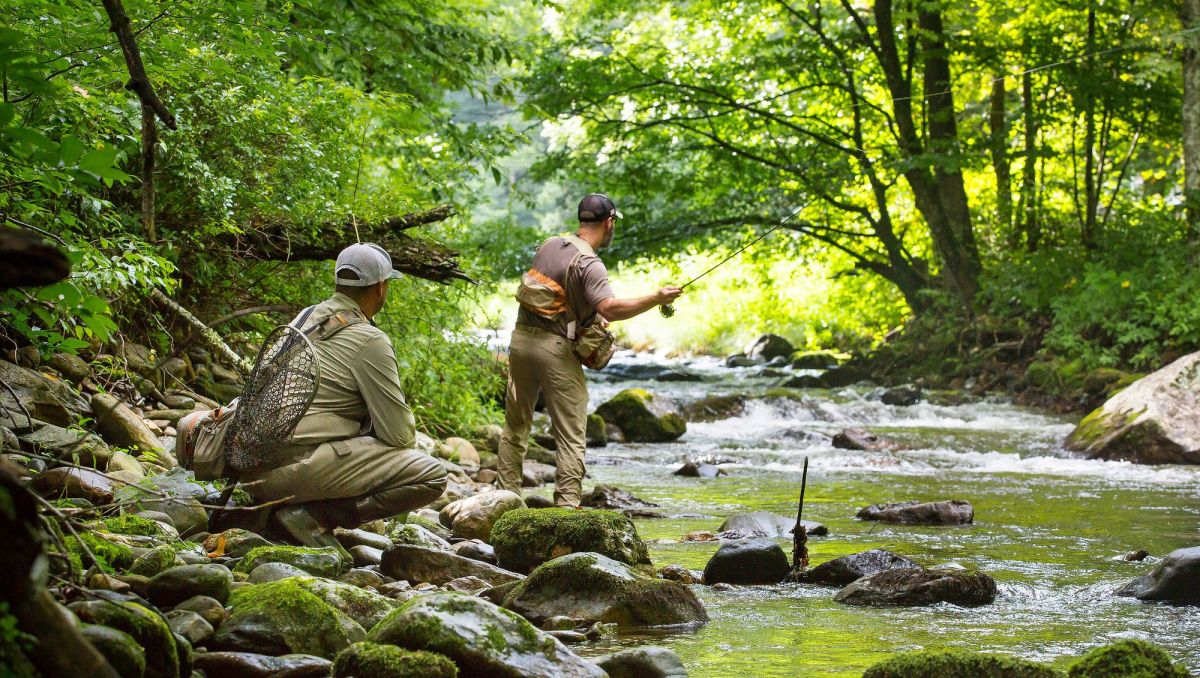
(300, 524)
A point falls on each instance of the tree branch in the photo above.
(138, 82)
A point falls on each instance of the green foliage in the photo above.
(14, 645)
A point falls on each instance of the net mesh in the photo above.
(277, 394)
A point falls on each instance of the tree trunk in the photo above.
(998, 127)
(1029, 188)
(1091, 193)
(1191, 116)
(149, 139)
(138, 82)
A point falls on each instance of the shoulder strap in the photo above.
(582, 249)
(338, 322)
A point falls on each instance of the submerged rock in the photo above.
(420, 564)
(526, 538)
(644, 417)
(1153, 421)
(614, 499)
(472, 517)
(862, 439)
(691, 469)
(847, 569)
(1175, 580)
(957, 664)
(481, 638)
(593, 588)
(370, 660)
(643, 662)
(902, 396)
(769, 347)
(747, 561)
(250, 665)
(949, 512)
(1126, 658)
(284, 617)
(765, 524)
(715, 408)
(911, 587)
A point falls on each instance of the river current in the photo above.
(1049, 527)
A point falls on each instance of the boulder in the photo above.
(180, 583)
(862, 439)
(250, 665)
(359, 537)
(71, 367)
(691, 469)
(814, 360)
(647, 661)
(526, 538)
(45, 398)
(644, 417)
(957, 664)
(370, 660)
(716, 408)
(845, 375)
(194, 628)
(1176, 579)
(765, 524)
(63, 482)
(145, 626)
(186, 513)
(268, 572)
(747, 561)
(473, 517)
(1153, 421)
(119, 648)
(1126, 658)
(210, 609)
(847, 569)
(742, 360)
(66, 444)
(284, 617)
(596, 432)
(591, 587)
(909, 587)
(154, 561)
(322, 562)
(614, 499)
(901, 396)
(481, 638)
(419, 564)
(950, 512)
(121, 426)
(363, 606)
(678, 573)
(476, 550)
(768, 347)
(416, 535)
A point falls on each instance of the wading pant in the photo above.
(349, 482)
(540, 361)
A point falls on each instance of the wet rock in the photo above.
(194, 628)
(950, 512)
(108, 582)
(476, 550)
(370, 660)
(365, 607)
(765, 524)
(644, 417)
(322, 562)
(594, 588)
(66, 444)
(419, 564)
(268, 572)
(1153, 421)
(845, 375)
(691, 469)
(716, 408)
(119, 648)
(481, 638)
(770, 346)
(679, 573)
(44, 398)
(468, 585)
(536, 501)
(210, 609)
(1176, 579)
(596, 432)
(72, 367)
(957, 663)
(647, 661)
(250, 665)
(613, 498)
(742, 360)
(153, 562)
(359, 537)
(74, 482)
(918, 586)
(747, 561)
(862, 439)
(802, 381)
(283, 617)
(901, 396)
(179, 401)
(1126, 658)
(1136, 556)
(186, 513)
(526, 538)
(416, 535)
(145, 626)
(363, 578)
(847, 569)
(473, 517)
(180, 583)
(121, 426)
(561, 623)
(365, 555)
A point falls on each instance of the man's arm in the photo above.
(379, 382)
(614, 309)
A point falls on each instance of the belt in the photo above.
(534, 329)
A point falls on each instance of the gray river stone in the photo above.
(747, 561)
(910, 587)
(180, 583)
(268, 572)
(419, 564)
(250, 665)
(649, 661)
(847, 569)
(950, 512)
(194, 628)
(764, 524)
(1175, 580)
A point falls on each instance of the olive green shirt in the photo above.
(359, 392)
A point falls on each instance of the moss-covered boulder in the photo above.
(153, 561)
(321, 562)
(593, 588)
(363, 606)
(137, 526)
(1176, 579)
(109, 556)
(644, 417)
(907, 587)
(957, 664)
(119, 648)
(481, 638)
(144, 625)
(177, 584)
(1153, 421)
(416, 535)
(370, 660)
(283, 617)
(234, 542)
(716, 407)
(1126, 659)
(526, 538)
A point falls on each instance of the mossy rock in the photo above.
(119, 648)
(957, 664)
(321, 562)
(363, 606)
(526, 538)
(154, 561)
(138, 526)
(593, 588)
(416, 535)
(1042, 376)
(110, 557)
(369, 660)
(145, 626)
(431, 525)
(284, 617)
(817, 360)
(481, 638)
(1126, 659)
(644, 417)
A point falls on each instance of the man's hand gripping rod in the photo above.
(668, 310)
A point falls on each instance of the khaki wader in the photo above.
(541, 361)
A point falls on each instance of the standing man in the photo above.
(541, 356)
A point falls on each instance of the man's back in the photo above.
(586, 284)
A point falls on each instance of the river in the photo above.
(1050, 528)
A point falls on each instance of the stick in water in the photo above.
(799, 533)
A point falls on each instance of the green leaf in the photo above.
(99, 161)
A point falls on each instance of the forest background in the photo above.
(993, 195)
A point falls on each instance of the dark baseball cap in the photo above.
(598, 207)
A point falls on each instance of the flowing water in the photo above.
(1050, 528)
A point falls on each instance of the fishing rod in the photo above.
(668, 310)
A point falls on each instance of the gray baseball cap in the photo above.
(368, 261)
